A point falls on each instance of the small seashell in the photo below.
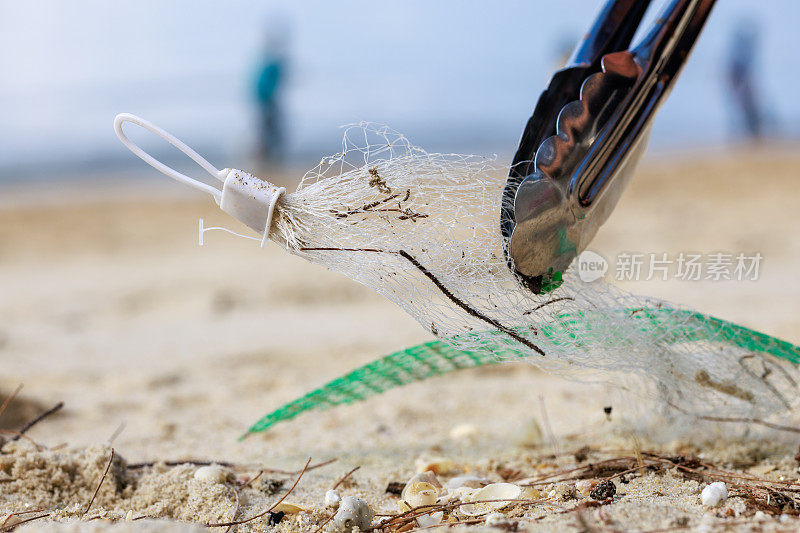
(497, 520)
(212, 474)
(461, 493)
(288, 508)
(129, 516)
(427, 477)
(418, 494)
(332, 499)
(424, 477)
(437, 465)
(430, 520)
(353, 512)
(505, 492)
(714, 494)
(466, 481)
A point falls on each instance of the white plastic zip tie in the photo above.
(202, 229)
(244, 196)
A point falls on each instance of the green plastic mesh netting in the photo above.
(423, 230)
(437, 357)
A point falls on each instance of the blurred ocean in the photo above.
(453, 75)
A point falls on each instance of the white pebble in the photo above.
(212, 474)
(496, 520)
(332, 499)
(714, 494)
(353, 512)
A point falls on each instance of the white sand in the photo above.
(113, 308)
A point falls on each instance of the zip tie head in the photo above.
(250, 200)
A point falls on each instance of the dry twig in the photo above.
(344, 477)
(57, 407)
(9, 398)
(103, 478)
(11, 527)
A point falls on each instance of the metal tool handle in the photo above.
(613, 30)
(660, 55)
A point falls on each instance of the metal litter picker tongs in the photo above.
(589, 129)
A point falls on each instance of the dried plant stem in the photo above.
(344, 477)
(100, 484)
(549, 302)
(17, 435)
(9, 398)
(57, 407)
(235, 510)
(19, 513)
(758, 421)
(193, 462)
(253, 479)
(411, 515)
(741, 420)
(11, 527)
(325, 523)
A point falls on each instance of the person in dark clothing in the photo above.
(267, 92)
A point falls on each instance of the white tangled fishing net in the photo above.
(423, 230)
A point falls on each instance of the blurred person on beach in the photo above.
(268, 84)
(741, 81)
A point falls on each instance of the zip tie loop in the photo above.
(177, 143)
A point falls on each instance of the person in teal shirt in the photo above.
(268, 83)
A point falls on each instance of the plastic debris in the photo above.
(714, 494)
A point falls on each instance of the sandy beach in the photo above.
(167, 351)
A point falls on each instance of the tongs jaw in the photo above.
(588, 132)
